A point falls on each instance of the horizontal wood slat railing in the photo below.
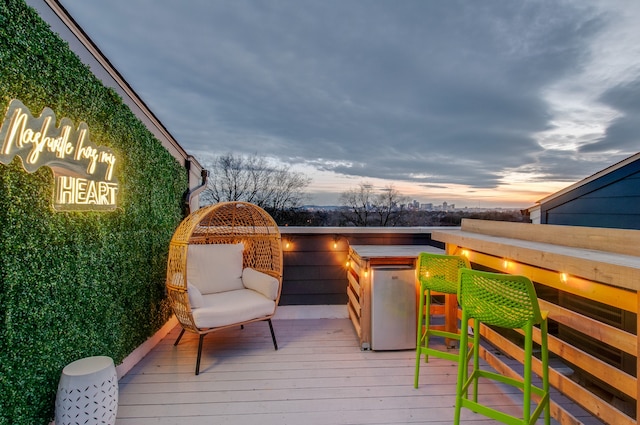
(599, 265)
(608, 334)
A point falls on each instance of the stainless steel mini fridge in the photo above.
(393, 308)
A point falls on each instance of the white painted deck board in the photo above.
(319, 375)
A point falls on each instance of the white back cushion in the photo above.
(215, 268)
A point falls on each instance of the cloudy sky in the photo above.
(477, 103)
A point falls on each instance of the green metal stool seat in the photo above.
(438, 273)
(507, 301)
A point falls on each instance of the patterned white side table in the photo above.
(88, 392)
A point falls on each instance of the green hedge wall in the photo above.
(76, 284)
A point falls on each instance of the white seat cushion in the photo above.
(215, 268)
(231, 307)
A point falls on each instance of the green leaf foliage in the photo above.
(75, 284)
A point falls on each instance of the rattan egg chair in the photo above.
(224, 269)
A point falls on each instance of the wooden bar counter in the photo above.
(361, 259)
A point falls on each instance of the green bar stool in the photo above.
(439, 273)
(506, 301)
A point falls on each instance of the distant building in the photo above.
(414, 205)
(426, 207)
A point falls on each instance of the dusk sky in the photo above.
(476, 103)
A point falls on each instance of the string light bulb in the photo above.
(336, 239)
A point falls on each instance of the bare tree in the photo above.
(389, 206)
(364, 207)
(253, 179)
(357, 203)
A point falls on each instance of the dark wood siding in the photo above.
(612, 201)
(316, 273)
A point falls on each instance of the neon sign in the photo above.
(83, 172)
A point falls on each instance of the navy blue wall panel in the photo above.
(316, 273)
(596, 205)
(611, 201)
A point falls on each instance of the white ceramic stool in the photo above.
(88, 392)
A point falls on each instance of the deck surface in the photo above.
(319, 375)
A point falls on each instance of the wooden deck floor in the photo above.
(318, 376)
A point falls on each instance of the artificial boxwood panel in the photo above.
(75, 284)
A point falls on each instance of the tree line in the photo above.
(340, 217)
(281, 192)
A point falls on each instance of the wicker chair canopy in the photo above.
(223, 223)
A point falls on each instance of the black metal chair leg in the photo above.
(179, 337)
(199, 354)
(273, 335)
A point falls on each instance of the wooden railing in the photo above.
(588, 279)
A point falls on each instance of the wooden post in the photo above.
(637, 356)
(365, 305)
(450, 306)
